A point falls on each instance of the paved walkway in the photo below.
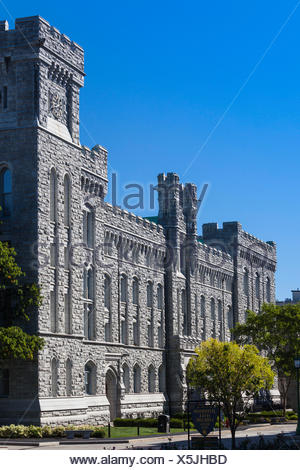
(252, 432)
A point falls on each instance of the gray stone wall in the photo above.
(98, 337)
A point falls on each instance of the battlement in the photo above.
(35, 31)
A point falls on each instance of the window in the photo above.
(68, 318)
(229, 317)
(123, 288)
(268, 289)
(137, 379)
(149, 295)
(107, 292)
(151, 379)
(136, 332)
(68, 377)
(54, 377)
(6, 192)
(4, 382)
(220, 320)
(246, 282)
(203, 313)
(53, 196)
(257, 286)
(67, 200)
(88, 228)
(159, 297)
(90, 378)
(213, 317)
(53, 319)
(135, 291)
(126, 379)
(196, 315)
(184, 312)
(88, 294)
(162, 378)
(160, 332)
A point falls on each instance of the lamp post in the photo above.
(297, 367)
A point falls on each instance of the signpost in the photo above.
(204, 417)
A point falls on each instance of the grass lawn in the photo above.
(132, 431)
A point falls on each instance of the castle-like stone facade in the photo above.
(125, 299)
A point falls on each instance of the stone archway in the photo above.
(112, 394)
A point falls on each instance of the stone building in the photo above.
(125, 299)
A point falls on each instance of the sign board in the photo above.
(204, 418)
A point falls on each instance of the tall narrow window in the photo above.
(196, 315)
(268, 290)
(203, 317)
(88, 295)
(6, 193)
(246, 282)
(68, 377)
(126, 378)
(88, 228)
(53, 319)
(4, 383)
(184, 312)
(162, 378)
(220, 320)
(159, 297)
(53, 196)
(213, 317)
(137, 379)
(68, 317)
(149, 295)
(90, 378)
(67, 200)
(151, 379)
(54, 377)
(257, 286)
(135, 291)
(123, 288)
(107, 292)
(229, 317)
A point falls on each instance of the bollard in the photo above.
(108, 428)
(138, 429)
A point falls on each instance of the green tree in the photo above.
(276, 332)
(231, 375)
(18, 300)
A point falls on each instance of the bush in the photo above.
(36, 432)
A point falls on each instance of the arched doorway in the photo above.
(112, 394)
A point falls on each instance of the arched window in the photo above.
(149, 295)
(6, 193)
(159, 297)
(88, 295)
(67, 200)
(137, 379)
(257, 286)
(213, 317)
(196, 315)
(246, 282)
(54, 377)
(184, 313)
(151, 379)
(126, 378)
(4, 383)
(220, 319)
(107, 293)
(53, 196)
(203, 316)
(88, 228)
(229, 317)
(135, 291)
(123, 288)
(68, 312)
(268, 289)
(90, 378)
(68, 377)
(53, 309)
(162, 378)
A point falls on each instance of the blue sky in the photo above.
(160, 75)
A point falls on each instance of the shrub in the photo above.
(35, 432)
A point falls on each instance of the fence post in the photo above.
(108, 428)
